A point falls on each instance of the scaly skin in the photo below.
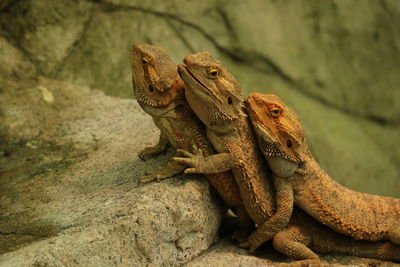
(305, 234)
(215, 97)
(302, 229)
(227, 133)
(159, 91)
(282, 140)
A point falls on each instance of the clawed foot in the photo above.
(193, 160)
(167, 171)
(147, 179)
(253, 242)
(150, 152)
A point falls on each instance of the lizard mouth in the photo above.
(182, 69)
(185, 71)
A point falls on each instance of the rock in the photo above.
(46, 31)
(68, 187)
(334, 52)
(334, 62)
(68, 162)
(14, 65)
(224, 253)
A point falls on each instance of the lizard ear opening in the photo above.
(230, 101)
(289, 143)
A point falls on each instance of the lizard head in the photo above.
(279, 132)
(212, 92)
(155, 79)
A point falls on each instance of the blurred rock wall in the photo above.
(337, 62)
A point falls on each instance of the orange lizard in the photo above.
(298, 177)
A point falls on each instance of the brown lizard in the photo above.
(297, 174)
(304, 235)
(215, 96)
(303, 231)
(160, 92)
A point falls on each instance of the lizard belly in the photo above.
(250, 175)
(254, 196)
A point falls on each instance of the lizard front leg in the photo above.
(197, 163)
(158, 149)
(285, 202)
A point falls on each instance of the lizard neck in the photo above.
(249, 168)
(159, 112)
(166, 109)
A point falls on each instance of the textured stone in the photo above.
(68, 187)
(47, 31)
(224, 253)
(14, 64)
(339, 52)
(335, 62)
(68, 161)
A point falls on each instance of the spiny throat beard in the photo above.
(272, 149)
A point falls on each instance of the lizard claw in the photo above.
(150, 152)
(253, 242)
(251, 247)
(197, 151)
(183, 161)
(144, 180)
(190, 170)
(184, 153)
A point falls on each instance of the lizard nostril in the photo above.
(151, 88)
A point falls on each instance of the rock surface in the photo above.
(68, 185)
(68, 163)
(224, 253)
(335, 62)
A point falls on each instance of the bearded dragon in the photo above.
(282, 141)
(160, 92)
(211, 90)
(215, 96)
(304, 235)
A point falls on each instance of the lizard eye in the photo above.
(230, 100)
(213, 73)
(275, 112)
(145, 61)
(151, 88)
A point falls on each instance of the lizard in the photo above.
(297, 174)
(216, 98)
(202, 85)
(159, 90)
(304, 235)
